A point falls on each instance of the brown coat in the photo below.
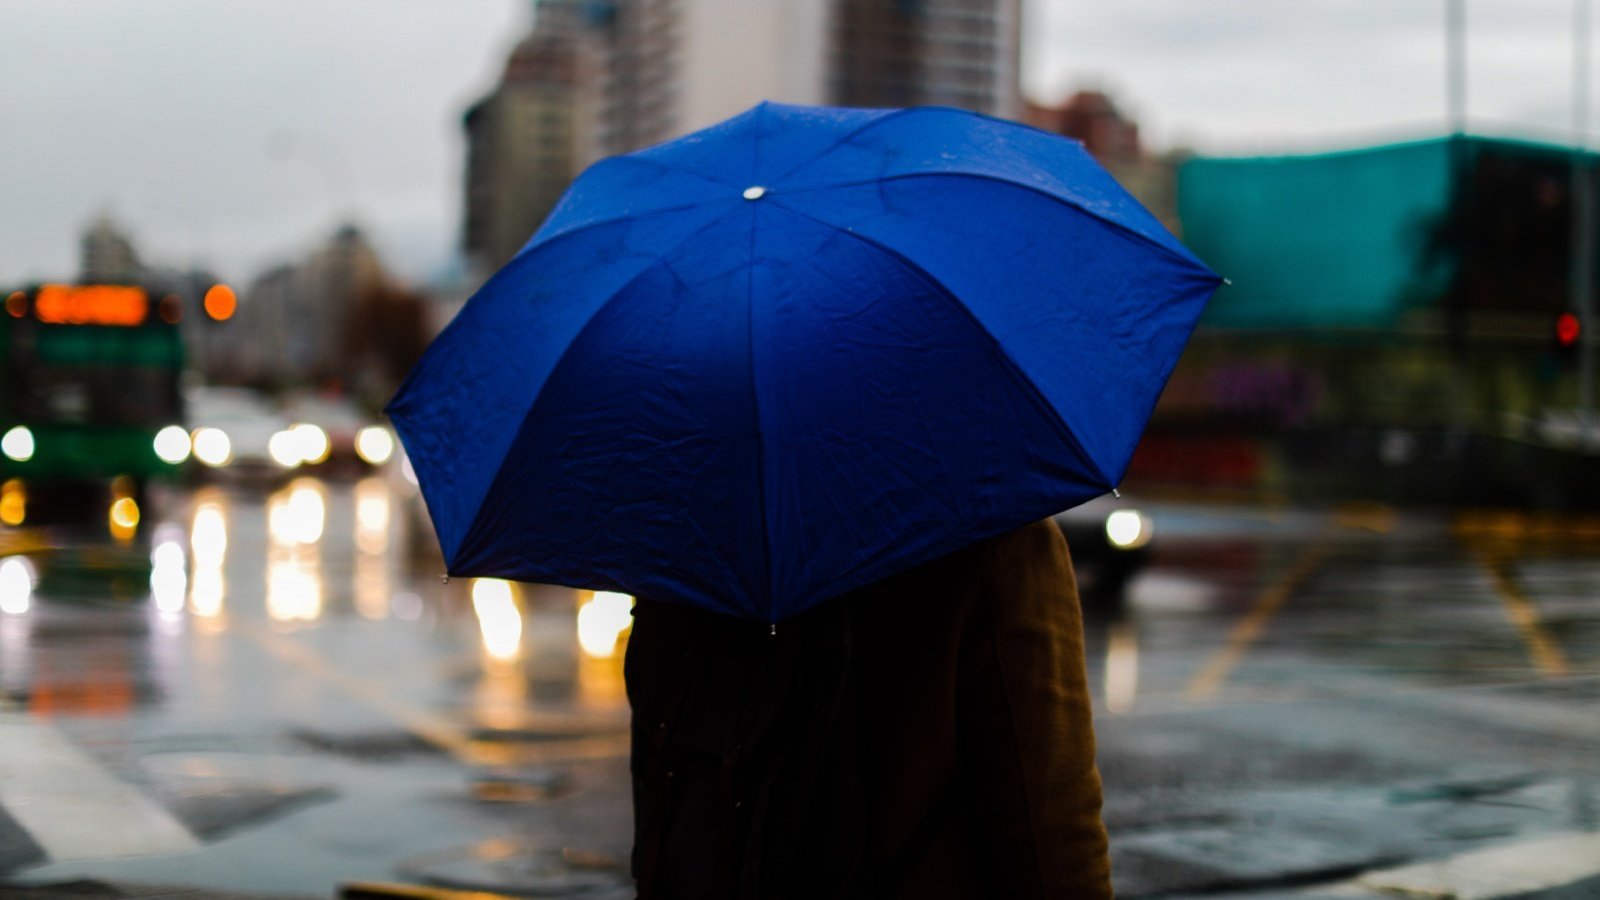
(927, 736)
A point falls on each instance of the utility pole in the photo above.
(1465, 206)
(1455, 54)
(1583, 220)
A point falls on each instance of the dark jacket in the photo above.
(927, 736)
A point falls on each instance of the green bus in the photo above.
(91, 407)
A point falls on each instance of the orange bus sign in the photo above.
(92, 304)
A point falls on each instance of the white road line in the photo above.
(72, 807)
(1503, 871)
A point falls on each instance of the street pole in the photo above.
(1465, 228)
(1455, 14)
(1583, 225)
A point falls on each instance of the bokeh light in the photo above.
(13, 502)
(221, 302)
(16, 585)
(123, 518)
(602, 620)
(172, 444)
(18, 444)
(495, 603)
(212, 447)
(168, 579)
(374, 444)
(310, 442)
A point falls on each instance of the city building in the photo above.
(601, 77)
(294, 320)
(1112, 138)
(1093, 118)
(525, 142)
(106, 254)
(963, 53)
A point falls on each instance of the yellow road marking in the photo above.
(1245, 633)
(441, 731)
(433, 728)
(1544, 651)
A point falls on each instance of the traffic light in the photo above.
(1568, 329)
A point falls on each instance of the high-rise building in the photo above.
(963, 53)
(600, 77)
(525, 140)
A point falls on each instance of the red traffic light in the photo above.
(1568, 328)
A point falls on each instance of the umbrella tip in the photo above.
(1228, 282)
(1116, 493)
(445, 578)
(774, 629)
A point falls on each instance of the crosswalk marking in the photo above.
(1504, 871)
(73, 808)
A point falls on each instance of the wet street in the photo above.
(275, 694)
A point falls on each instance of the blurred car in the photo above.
(1109, 539)
(232, 430)
(335, 432)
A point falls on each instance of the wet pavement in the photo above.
(274, 694)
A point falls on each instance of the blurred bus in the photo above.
(90, 403)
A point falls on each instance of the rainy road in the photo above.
(276, 694)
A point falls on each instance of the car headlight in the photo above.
(212, 447)
(1128, 529)
(374, 444)
(18, 444)
(311, 442)
(172, 444)
(284, 449)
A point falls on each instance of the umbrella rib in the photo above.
(661, 260)
(538, 241)
(849, 136)
(1072, 204)
(1029, 388)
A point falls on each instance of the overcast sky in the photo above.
(235, 133)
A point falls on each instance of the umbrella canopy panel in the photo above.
(759, 366)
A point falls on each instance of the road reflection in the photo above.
(208, 549)
(499, 620)
(373, 571)
(296, 518)
(1122, 665)
(603, 619)
(221, 563)
(16, 585)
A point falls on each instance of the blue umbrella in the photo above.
(796, 352)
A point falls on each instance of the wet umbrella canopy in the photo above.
(796, 352)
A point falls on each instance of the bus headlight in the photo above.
(374, 445)
(123, 518)
(172, 444)
(1128, 529)
(18, 444)
(13, 502)
(212, 447)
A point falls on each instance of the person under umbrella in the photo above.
(800, 382)
(926, 736)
